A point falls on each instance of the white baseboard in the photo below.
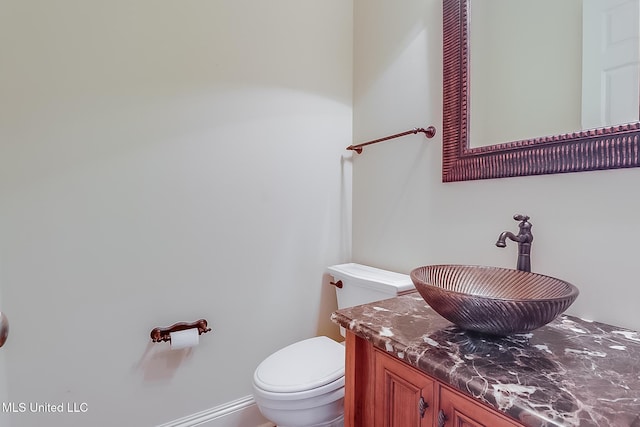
(242, 412)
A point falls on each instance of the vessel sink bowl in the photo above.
(493, 300)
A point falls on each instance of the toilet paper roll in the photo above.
(184, 339)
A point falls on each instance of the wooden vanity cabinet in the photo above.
(402, 397)
(383, 391)
(462, 411)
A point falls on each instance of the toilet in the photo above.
(302, 385)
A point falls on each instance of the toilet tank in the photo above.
(362, 284)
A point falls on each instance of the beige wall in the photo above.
(585, 224)
(163, 161)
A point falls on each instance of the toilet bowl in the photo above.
(302, 385)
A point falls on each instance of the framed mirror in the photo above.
(607, 147)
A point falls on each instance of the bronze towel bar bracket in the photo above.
(163, 334)
(429, 133)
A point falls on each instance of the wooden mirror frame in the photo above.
(611, 147)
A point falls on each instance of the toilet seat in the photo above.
(305, 369)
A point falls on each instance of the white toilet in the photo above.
(302, 385)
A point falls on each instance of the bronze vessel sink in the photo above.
(493, 300)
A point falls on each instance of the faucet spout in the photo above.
(523, 238)
(502, 239)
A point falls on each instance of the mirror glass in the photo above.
(550, 67)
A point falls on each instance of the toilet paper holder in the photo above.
(164, 334)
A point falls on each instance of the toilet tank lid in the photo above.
(301, 366)
(376, 278)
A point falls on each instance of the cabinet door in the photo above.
(457, 410)
(403, 396)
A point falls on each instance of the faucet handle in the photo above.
(525, 226)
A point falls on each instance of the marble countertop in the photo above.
(571, 372)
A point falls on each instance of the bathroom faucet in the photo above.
(524, 239)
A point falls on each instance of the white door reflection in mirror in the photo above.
(611, 62)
